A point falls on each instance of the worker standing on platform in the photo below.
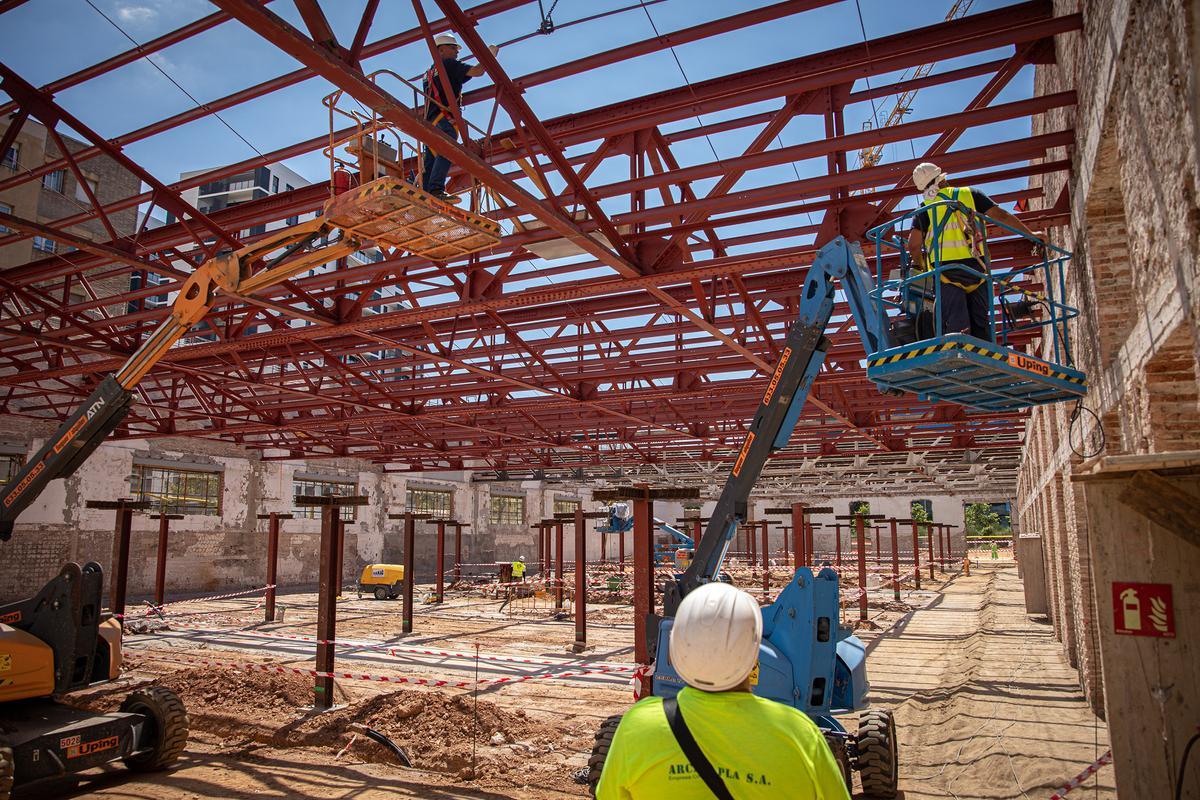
(439, 110)
(715, 738)
(957, 240)
(518, 569)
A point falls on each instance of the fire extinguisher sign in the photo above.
(1143, 609)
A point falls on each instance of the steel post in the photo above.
(860, 526)
(327, 591)
(837, 551)
(272, 563)
(338, 571)
(160, 571)
(916, 554)
(941, 547)
(929, 543)
(895, 562)
(580, 582)
(558, 565)
(766, 563)
(643, 575)
(410, 540)
(802, 558)
(124, 523)
(441, 560)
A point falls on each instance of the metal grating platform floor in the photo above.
(394, 213)
(964, 370)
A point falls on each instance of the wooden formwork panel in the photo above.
(394, 213)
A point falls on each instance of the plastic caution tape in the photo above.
(1079, 779)
(357, 676)
(391, 649)
(638, 680)
(259, 590)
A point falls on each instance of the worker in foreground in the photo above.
(440, 110)
(715, 738)
(956, 241)
(518, 569)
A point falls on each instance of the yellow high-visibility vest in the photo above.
(953, 235)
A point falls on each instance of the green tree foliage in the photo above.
(862, 508)
(919, 513)
(981, 520)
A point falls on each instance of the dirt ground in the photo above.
(978, 691)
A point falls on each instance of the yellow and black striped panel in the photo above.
(982, 350)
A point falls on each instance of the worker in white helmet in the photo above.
(439, 109)
(744, 746)
(956, 240)
(518, 569)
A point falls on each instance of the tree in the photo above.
(981, 520)
(919, 514)
(862, 508)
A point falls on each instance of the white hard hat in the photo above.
(926, 175)
(446, 38)
(715, 638)
(521, 559)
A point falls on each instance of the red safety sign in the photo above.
(1143, 609)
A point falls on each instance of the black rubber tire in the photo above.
(878, 767)
(167, 726)
(600, 747)
(6, 773)
(837, 746)
(381, 593)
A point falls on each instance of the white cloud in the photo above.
(136, 15)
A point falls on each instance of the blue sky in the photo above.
(46, 39)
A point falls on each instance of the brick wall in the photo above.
(1135, 233)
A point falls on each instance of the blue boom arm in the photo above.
(800, 360)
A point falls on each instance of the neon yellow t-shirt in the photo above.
(762, 749)
(518, 569)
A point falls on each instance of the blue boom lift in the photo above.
(620, 522)
(807, 659)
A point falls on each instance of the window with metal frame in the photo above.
(438, 502)
(506, 510)
(7, 209)
(566, 506)
(12, 156)
(44, 245)
(10, 465)
(178, 491)
(55, 180)
(324, 488)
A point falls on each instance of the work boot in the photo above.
(452, 199)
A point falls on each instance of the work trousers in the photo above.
(437, 167)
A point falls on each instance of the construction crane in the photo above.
(870, 156)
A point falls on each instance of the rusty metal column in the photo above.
(457, 553)
(580, 582)
(878, 542)
(160, 571)
(621, 548)
(272, 562)
(766, 562)
(603, 546)
(643, 575)
(809, 547)
(941, 548)
(860, 526)
(410, 541)
(338, 572)
(895, 562)
(785, 530)
(837, 559)
(327, 592)
(697, 532)
(441, 560)
(916, 554)
(120, 550)
(803, 558)
(558, 565)
(929, 542)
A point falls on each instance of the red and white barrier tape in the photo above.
(355, 676)
(1082, 777)
(638, 678)
(380, 646)
(259, 590)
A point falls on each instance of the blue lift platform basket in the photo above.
(960, 369)
(955, 367)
